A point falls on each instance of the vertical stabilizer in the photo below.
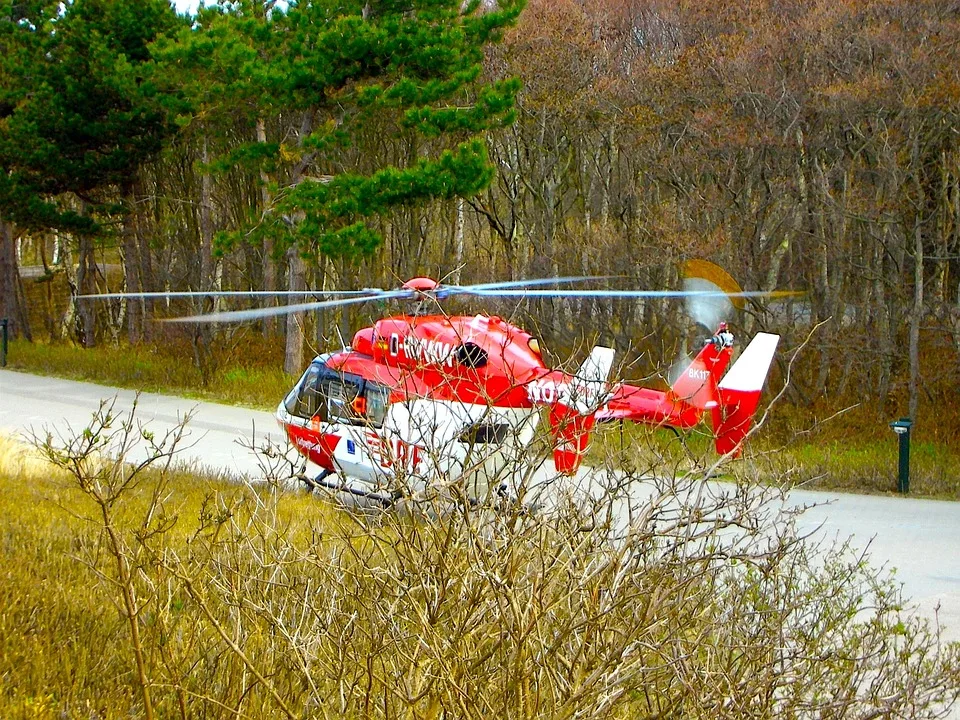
(696, 384)
(739, 393)
(572, 418)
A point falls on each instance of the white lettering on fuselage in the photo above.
(434, 352)
(308, 445)
(393, 453)
(698, 374)
(548, 392)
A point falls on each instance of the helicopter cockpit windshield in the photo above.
(329, 396)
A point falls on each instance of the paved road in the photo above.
(921, 538)
(30, 404)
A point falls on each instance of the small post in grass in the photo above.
(4, 324)
(902, 428)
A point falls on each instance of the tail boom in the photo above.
(731, 401)
(693, 391)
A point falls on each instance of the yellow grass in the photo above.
(64, 648)
(256, 603)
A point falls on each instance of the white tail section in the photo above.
(749, 372)
(573, 418)
(740, 392)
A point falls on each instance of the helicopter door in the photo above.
(360, 407)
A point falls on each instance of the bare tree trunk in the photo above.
(87, 285)
(8, 276)
(206, 223)
(132, 271)
(203, 335)
(147, 280)
(68, 320)
(320, 278)
(613, 152)
(269, 263)
(955, 245)
(916, 313)
(458, 242)
(825, 291)
(293, 355)
(940, 292)
(11, 307)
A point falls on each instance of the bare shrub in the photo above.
(622, 596)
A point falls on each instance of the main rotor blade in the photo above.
(223, 293)
(373, 292)
(257, 313)
(637, 293)
(536, 282)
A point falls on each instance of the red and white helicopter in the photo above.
(420, 397)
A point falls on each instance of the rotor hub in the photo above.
(421, 284)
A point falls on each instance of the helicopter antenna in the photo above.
(343, 344)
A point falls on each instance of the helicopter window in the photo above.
(342, 399)
(306, 398)
(485, 433)
(336, 397)
(377, 398)
(346, 403)
(471, 355)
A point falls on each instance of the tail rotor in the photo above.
(712, 295)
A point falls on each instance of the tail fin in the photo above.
(572, 417)
(697, 383)
(739, 393)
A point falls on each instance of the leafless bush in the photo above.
(630, 596)
(95, 461)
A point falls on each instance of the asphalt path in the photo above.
(920, 538)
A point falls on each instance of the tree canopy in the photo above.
(801, 145)
(331, 74)
(80, 112)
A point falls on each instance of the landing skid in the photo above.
(321, 481)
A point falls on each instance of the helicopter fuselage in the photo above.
(419, 398)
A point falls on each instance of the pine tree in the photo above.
(334, 76)
(80, 114)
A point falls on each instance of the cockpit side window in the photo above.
(306, 399)
(377, 399)
(342, 395)
(332, 396)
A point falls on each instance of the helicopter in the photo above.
(424, 396)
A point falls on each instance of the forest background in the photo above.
(800, 145)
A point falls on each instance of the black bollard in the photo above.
(902, 428)
(4, 324)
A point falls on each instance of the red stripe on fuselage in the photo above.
(317, 446)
